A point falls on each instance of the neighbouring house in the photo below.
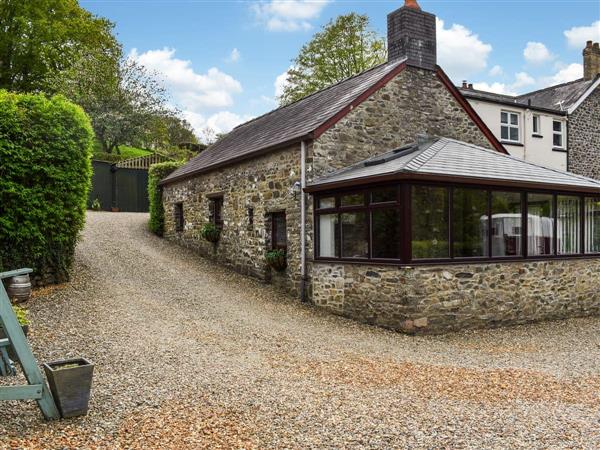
(558, 126)
(394, 202)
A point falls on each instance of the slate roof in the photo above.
(557, 98)
(286, 124)
(451, 158)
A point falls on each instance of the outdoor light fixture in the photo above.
(296, 189)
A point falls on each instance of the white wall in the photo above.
(535, 149)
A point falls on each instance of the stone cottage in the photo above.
(357, 246)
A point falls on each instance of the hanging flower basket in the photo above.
(210, 232)
(277, 260)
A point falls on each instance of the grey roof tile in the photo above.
(285, 124)
(451, 158)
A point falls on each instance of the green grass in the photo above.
(125, 152)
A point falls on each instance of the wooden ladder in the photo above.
(36, 389)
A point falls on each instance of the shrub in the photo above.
(276, 259)
(22, 315)
(156, 173)
(45, 172)
(96, 206)
(210, 232)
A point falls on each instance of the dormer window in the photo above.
(509, 126)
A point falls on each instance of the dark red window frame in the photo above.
(278, 219)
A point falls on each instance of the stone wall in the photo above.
(433, 299)
(414, 102)
(262, 184)
(584, 137)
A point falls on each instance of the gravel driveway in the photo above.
(190, 355)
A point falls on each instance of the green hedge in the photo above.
(157, 213)
(45, 172)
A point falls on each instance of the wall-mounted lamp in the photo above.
(296, 189)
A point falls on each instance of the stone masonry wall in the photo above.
(434, 299)
(584, 137)
(263, 184)
(414, 102)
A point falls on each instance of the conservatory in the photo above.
(437, 209)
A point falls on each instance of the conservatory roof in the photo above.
(444, 159)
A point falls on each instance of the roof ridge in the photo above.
(551, 87)
(431, 143)
(326, 88)
(523, 160)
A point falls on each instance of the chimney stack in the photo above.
(591, 60)
(465, 85)
(411, 35)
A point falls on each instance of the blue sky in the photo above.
(223, 60)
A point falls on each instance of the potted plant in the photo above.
(70, 382)
(21, 314)
(96, 206)
(276, 259)
(210, 232)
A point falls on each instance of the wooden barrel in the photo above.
(19, 288)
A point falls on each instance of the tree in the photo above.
(167, 131)
(121, 97)
(39, 39)
(343, 48)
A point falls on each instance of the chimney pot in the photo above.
(470, 85)
(412, 4)
(588, 44)
(465, 86)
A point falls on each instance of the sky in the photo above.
(224, 62)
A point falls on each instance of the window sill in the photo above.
(538, 136)
(515, 144)
(558, 149)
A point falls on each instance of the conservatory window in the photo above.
(429, 222)
(568, 224)
(507, 224)
(592, 225)
(355, 242)
(328, 235)
(469, 223)
(540, 224)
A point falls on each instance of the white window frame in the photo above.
(536, 130)
(509, 126)
(560, 133)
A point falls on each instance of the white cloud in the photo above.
(537, 53)
(578, 36)
(565, 74)
(460, 52)
(234, 56)
(498, 88)
(221, 122)
(496, 71)
(190, 90)
(522, 80)
(288, 15)
(280, 83)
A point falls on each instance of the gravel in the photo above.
(191, 355)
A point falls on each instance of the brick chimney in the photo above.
(591, 60)
(411, 34)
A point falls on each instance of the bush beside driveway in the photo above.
(191, 355)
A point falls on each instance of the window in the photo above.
(592, 225)
(507, 224)
(557, 134)
(364, 225)
(250, 217)
(540, 224)
(536, 124)
(216, 211)
(278, 231)
(469, 223)
(178, 215)
(355, 242)
(429, 206)
(509, 126)
(328, 236)
(568, 224)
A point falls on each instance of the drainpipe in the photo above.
(303, 222)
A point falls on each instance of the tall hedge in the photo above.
(45, 173)
(156, 173)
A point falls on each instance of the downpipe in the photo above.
(303, 280)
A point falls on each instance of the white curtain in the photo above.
(592, 225)
(568, 225)
(327, 226)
